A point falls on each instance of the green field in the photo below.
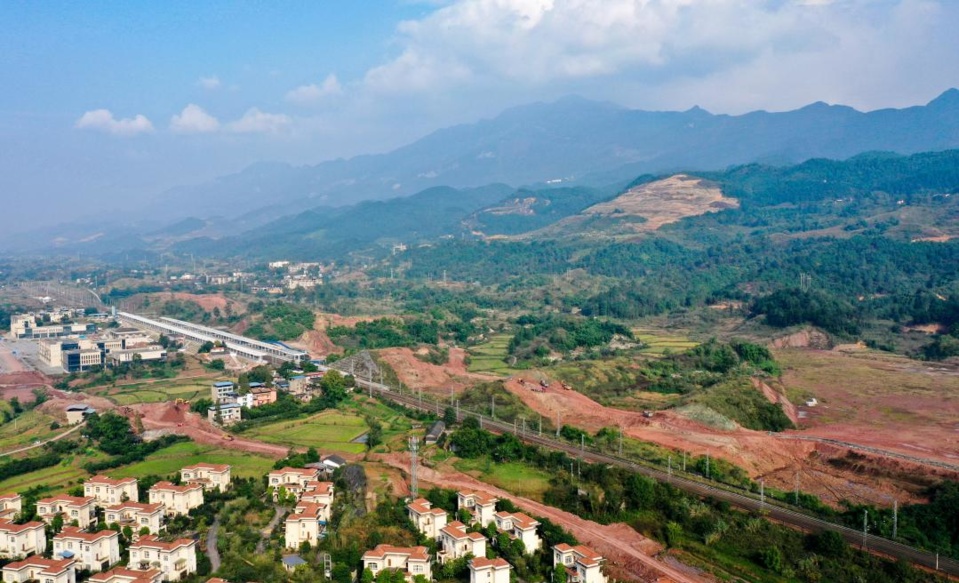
(329, 430)
(169, 460)
(515, 477)
(157, 392)
(488, 357)
(25, 429)
(657, 342)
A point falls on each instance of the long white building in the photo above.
(242, 346)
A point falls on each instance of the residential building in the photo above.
(40, 569)
(427, 519)
(177, 499)
(319, 493)
(10, 506)
(230, 413)
(291, 562)
(521, 527)
(436, 430)
(221, 391)
(209, 476)
(481, 506)
(456, 543)
(263, 396)
(78, 413)
(333, 462)
(136, 515)
(93, 551)
(305, 524)
(110, 491)
(583, 565)
(20, 540)
(124, 575)
(78, 510)
(175, 559)
(483, 570)
(410, 560)
(292, 480)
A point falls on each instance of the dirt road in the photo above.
(42, 443)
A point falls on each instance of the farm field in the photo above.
(326, 431)
(156, 392)
(169, 460)
(488, 357)
(27, 428)
(657, 342)
(517, 478)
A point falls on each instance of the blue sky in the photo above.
(106, 103)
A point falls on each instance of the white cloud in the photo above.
(210, 83)
(102, 120)
(256, 121)
(193, 120)
(312, 93)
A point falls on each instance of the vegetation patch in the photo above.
(169, 460)
(329, 430)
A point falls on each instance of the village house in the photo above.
(209, 476)
(223, 392)
(481, 506)
(78, 413)
(74, 509)
(292, 480)
(10, 506)
(263, 396)
(229, 413)
(483, 570)
(110, 491)
(124, 575)
(93, 551)
(333, 462)
(177, 499)
(40, 569)
(20, 540)
(305, 524)
(136, 515)
(428, 520)
(320, 493)
(521, 527)
(583, 565)
(412, 561)
(175, 559)
(456, 543)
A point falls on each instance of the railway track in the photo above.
(771, 510)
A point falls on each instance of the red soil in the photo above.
(431, 378)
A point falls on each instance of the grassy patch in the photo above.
(489, 357)
(157, 392)
(329, 430)
(27, 428)
(658, 342)
(515, 477)
(169, 460)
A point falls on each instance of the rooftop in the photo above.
(415, 553)
(171, 487)
(151, 541)
(75, 532)
(107, 481)
(483, 562)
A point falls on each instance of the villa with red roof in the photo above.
(79, 509)
(10, 506)
(483, 570)
(109, 491)
(428, 520)
(136, 515)
(521, 527)
(481, 505)
(92, 551)
(123, 575)
(175, 559)
(40, 569)
(177, 499)
(305, 524)
(293, 480)
(210, 476)
(21, 540)
(456, 543)
(412, 561)
(582, 564)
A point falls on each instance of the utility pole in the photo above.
(684, 461)
(797, 488)
(865, 526)
(762, 494)
(492, 406)
(622, 430)
(707, 465)
(895, 518)
(414, 449)
(541, 425)
(557, 424)
(669, 468)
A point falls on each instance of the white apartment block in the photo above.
(410, 560)
(136, 515)
(583, 565)
(42, 570)
(456, 543)
(209, 476)
(481, 505)
(293, 480)
(483, 570)
(109, 491)
(123, 575)
(305, 524)
(177, 499)
(10, 506)
(520, 526)
(93, 551)
(428, 520)
(81, 510)
(20, 540)
(175, 559)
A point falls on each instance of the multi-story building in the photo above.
(427, 519)
(92, 551)
(209, 476)
(292, 480)
(10, 506)
(40, 569)
(229, 413)
(412, 561)
(583, 564)
(223, 392)
(320, 493)
(21, 540)
(483, 570)
(263, 396)
(124, 575)
(521, 527)
(305, 524)
(456, 543)
(78, 510)
(136, 515)
(481, 506)
(26, 326)
(175, 559)
(177, 499)
(109, 491)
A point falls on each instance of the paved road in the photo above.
(211, 550)
(744, 500)
(42, 443)
(279, 512)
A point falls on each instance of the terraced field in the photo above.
(489, 357)
(157, 392)
(658, 342)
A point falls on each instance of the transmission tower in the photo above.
(414, 451)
